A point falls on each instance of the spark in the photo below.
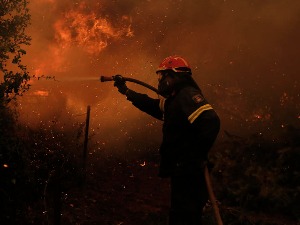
(257, 116)
(284, 99)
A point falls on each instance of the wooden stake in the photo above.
(86, 137)
(86, 134)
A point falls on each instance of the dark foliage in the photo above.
(14, 18)
(258, 175)
(36, 168)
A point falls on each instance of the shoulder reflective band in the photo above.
(197, 113)
(162, 104)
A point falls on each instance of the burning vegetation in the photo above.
(83, 28)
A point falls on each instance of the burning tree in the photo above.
(15, 18)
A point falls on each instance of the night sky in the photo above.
(244, 55)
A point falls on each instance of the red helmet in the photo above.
(175, 63)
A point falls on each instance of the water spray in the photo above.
(75, 79)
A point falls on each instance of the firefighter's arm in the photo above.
(145, 103)
(141, 101)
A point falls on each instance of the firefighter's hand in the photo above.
(120, 83)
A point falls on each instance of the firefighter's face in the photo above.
(160, 76)
(165, 83)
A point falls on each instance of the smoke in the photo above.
(244, 55)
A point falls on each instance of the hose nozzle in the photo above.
(104, 78)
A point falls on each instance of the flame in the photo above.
(76, 29)
(41, 93)
(88, 30)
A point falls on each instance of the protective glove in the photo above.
(120, 83)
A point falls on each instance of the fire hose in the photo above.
(206, 171)
(103, 79)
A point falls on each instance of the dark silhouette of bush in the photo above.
(36, 168)
(260, 175)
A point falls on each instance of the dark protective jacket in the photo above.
(190, 128)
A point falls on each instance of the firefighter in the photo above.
(190, 128)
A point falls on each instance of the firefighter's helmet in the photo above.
(175, 63)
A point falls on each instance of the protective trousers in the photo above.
(188, 197)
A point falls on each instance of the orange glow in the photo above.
(75, 40)
(5, 165)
